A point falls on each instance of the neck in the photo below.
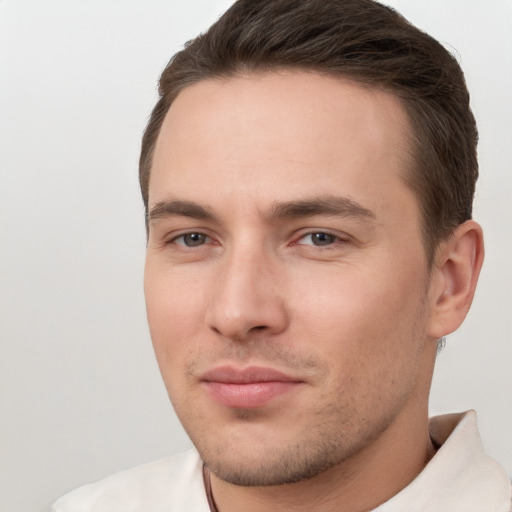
(358, 484)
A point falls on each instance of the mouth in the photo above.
(247, 388)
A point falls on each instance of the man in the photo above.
(308, 176)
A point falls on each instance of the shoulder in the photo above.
(174, 483)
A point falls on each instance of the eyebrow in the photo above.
(179, 208)
(325, 205)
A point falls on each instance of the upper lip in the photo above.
(232, 375)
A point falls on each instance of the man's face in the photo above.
(286, 280)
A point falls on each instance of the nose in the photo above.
(247, 298)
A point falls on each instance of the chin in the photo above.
(260, 466)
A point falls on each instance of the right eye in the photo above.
(191, 239)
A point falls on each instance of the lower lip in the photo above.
(248, 396)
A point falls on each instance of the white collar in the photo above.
(459, 478)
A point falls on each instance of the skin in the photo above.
(282, 235)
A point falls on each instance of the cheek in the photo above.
(359, 314)
(175, 312)
(369, 335)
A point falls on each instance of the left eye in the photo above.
(319, 239)
(191, 239)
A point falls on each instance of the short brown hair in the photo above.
(369, 43)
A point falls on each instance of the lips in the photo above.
(247, 388)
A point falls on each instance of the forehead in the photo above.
(273, 136)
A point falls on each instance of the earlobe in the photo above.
(454, 277)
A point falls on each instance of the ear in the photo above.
(455, 272)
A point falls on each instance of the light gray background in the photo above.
(81, 396)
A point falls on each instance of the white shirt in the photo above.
(459, 478)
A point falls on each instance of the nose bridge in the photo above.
(246, 296)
